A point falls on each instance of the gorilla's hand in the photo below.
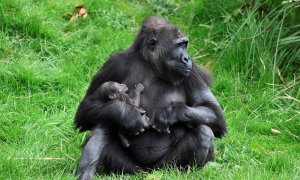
(166, 117)
(189, 116)
(132, 121)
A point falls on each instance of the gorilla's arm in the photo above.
(201, 107)
(93, 111)
(205, 109)
(113, 113)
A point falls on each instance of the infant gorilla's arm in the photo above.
(139, 88)
(123, 139)
(135, 101)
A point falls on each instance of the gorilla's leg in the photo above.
(115, 159)
(91, 153)
(206, 137)
(195, 147)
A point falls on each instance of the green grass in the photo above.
(46, 64)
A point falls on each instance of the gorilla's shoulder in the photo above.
(115, 59)
(112, 70)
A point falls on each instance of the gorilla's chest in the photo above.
(158, 94)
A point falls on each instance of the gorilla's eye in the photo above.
(182, 44)
(153, 42)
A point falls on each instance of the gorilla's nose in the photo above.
(186, 61)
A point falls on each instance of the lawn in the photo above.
(251, 47)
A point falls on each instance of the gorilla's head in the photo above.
(164, 46)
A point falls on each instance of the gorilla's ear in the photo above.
(152, 43)
(112, 96)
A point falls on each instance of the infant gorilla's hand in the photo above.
(139, 87)
(141, 125)
(146, 121)
(135, 122)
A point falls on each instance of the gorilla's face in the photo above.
(168, 54)
(179, 61)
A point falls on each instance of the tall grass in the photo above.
(257, 42)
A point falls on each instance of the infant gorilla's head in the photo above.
(111, 90)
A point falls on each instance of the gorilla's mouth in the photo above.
(184, 70)
(125, 89)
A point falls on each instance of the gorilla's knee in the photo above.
(206, 132)
(206, 152)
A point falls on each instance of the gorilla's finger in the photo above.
(147, 119)
(167, 131)
(145, 124)
(142, 111)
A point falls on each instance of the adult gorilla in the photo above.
(185, 116)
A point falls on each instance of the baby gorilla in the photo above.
(114, 91)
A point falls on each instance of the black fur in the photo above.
(185, 116)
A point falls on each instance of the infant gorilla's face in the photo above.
(120, 88)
